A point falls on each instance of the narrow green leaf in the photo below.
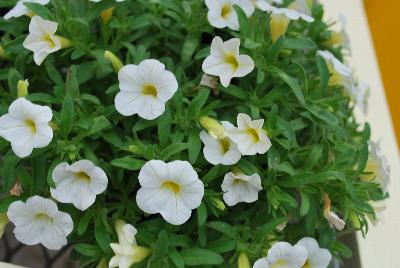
(200, 256)
(128, 162)
(292, 83)
(176, 258)
(67, 115)
(243, 20)
(164, 127)
(265, 229)
(305, 203)
(172, 150)
(198, 102)
(194, 144)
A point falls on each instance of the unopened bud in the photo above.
(278, 25)
(107, 14)
(213, 127)
(22, 88)
(3, 223)
(218, 203)
(115, 61)
(243, 261)
(3, 54)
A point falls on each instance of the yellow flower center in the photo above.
(31, 125)
(237, 182)
(43, 217)
(232, 61)
(336, 39)
(307, 264)
(253, 134)
(83, 176)
(225, 145)
(150, 90)
(48, 39)
(278, 264)
(172, 186)
(226, 10)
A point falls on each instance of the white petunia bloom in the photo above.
(340, 37)
(301, 6)
(39, 221)
(78, 183)
(283, 255)
(42, 39)
(220, 150)
(172, 189)
(145, 88)
(20, 9)
(224, 61)
(127, 252)
(317, 257)
(360, 95)
(281, 17)
(377, 167)
(249, 135)
(340, 74)
(221, 13)
(379, 207)
(26, 126)
(258, 3)
(240, 188)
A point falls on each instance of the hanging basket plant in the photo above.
(169, 133)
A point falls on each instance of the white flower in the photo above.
(145, 88)
(377, 167)
(360, 95)
(26, 126)
(283, 255)
(340, 74)
(249, 135)
(224, 61)
(78, 183)
(317, 257)
(172, 189)
(281, 17)
(379, 207)
(127, 252)
(220, 150)
(39, 221)
(41, 39)
(334, 220)
(221, 13)
(301, 6)
(340, 38)
(20, 9)
(258, 3)
(240, 188)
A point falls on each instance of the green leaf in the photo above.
(299, 43)
(198, 102)
(13, 77)
(71, 84)
(172, 150)
(243, 20)
(84, 222)
(292, 83)
(305, 203)
(265, 229)
(201, 214)
(200, 256)
(189, 47)
(128, 162)
(162, 245)
(79, 30)
(100, 231)
(39, 10)
(67, 115)
(194, 144)
(224, 228)
(164, 127)
(234, 91)
(176, 258)
(89, 250)
(323, 72)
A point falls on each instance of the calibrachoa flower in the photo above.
(26, 126)
(224, 61)
(340, 38)
(20, 9)
(301, 6)
(317, 257)
(281, 17)
(221, 13)
(39, 221)
(332, 218)
(360, 95)
(239, 187)
(127, 252)
(283, 255)
(258, 3)
(340, 74)
(42, 39)
(172, 189)
(145, 88)
(379, 207)
(249, 135)
(220, 150)
(377, 167)
(78, 183)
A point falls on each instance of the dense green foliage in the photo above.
(318, 147)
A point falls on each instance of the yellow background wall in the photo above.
(384, 20)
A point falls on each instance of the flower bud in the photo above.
(102, 264)
(278, 25)
(3, 54)
(115, 61)
(213, 127)
(3, 223)
(218, 203)
(107, 14)
(65, 43)
(243, 261)
(22, 88)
